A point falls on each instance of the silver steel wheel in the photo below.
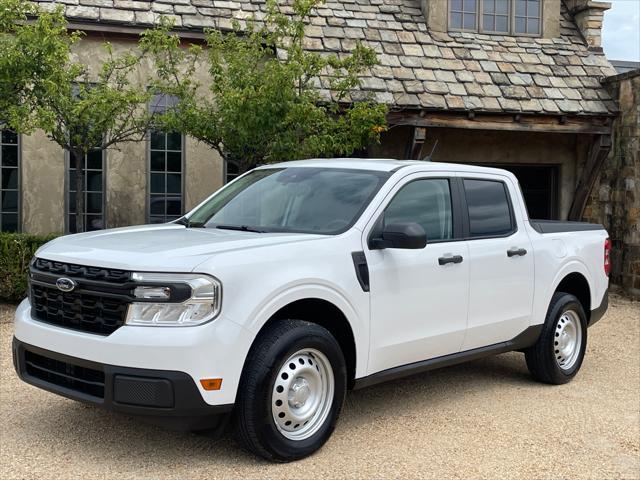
(568, 340)
(302, 394)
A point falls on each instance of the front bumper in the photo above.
(213, 350)
(163, 397)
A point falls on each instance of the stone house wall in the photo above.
(615, 200)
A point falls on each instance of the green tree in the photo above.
(268, 99)
(78, 108)
(29, 51)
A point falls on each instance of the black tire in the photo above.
(254, 422)
(541, 357)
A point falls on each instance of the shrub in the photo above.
(16, 250)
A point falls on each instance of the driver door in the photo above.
(419, 298)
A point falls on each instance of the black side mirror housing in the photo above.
(400, 235)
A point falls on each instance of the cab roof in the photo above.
(386, 165)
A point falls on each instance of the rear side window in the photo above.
(489, 210)
(426, 202)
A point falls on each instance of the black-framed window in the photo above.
(93, 216)
(426, 202)
(9, 181)
(232, 171)
(517, 17)
(166, 167)
(165, 176)
(489, 208)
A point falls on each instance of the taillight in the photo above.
(607, 256)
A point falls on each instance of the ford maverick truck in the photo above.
(298, 281)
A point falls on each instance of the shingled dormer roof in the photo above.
(456, 71)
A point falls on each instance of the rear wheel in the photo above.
(558, 354)
(291, 391)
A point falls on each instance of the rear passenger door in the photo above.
(501, 265)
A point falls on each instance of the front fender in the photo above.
(355, 314)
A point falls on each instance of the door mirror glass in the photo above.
(400, 235)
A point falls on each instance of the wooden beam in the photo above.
(597, 155)
(504, 122)
(417, 141)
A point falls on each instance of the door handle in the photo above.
(450, 259)
(516, 252)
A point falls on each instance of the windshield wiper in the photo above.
(242, 228)
(188, 223)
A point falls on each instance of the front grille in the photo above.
(74, 377)
(98, 304)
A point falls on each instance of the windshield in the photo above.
(297, 199)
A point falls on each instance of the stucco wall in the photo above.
(495, 147)
(126, 166)
(615, 200)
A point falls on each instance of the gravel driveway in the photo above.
(484, 419)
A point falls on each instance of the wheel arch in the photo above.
(327, 308)
(576, 284)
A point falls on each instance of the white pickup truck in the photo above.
(298, 281)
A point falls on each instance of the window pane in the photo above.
(174, 141)
(521, 7)
(174, 161)
(94, 203)
(72, 223)
(94, 182)
(10, 178)
(456, 5)
(502, 24)
(9, 137)
(532, 25)
(533, 8)
(94, 160)
(94, 222)
(521, 26)
(157, 161)
(157, 205)
(9, 156)
(456, 20)
(469, 21)
(9, 222)
(156, 220)
(173, 183)
(426, 202)
(174, 206)
(502, 6)
(487, 22)
(158, 140)
(157, 183)
(470, 5)
(488, 6)
(489, 212)
(10, 201)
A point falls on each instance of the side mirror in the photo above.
(400, 235)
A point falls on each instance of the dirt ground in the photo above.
(484, 419)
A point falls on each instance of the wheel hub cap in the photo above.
(302, 394)
(568, 340)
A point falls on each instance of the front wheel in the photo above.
(557, 355)
(291, 392)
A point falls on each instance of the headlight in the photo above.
(174, 300)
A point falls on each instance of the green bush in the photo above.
(16, 250)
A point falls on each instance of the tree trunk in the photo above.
(79, 180)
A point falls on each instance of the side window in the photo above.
(426, 202)
(489, 211)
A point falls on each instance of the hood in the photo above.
(167, 247)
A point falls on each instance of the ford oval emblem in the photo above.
(65, 284)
